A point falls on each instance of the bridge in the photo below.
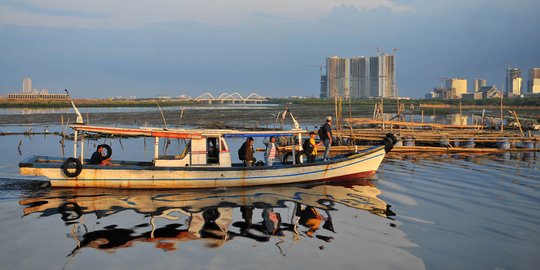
(231, 98)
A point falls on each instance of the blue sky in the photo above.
(109, 48)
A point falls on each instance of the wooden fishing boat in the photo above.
(205, 162)
(198, 166)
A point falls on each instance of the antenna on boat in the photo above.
(162, 116)
(296, 125)
(79, 116)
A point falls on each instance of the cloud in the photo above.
(132, 14)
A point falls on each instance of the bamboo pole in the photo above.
(519, 124)
(502, 116)
(382, 112)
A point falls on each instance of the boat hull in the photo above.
(360, 165)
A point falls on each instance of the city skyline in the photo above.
(120, 48)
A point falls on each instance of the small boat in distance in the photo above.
(205, 162)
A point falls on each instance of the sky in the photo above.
(146, 48)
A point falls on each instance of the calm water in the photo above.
(419, 212)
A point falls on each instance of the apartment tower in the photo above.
(514, 81)
(27, 85)
(533, 85)
(478, 83)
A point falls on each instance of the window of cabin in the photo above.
(212, 150)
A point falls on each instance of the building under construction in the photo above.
(359, 77)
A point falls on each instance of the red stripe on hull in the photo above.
(351, 176)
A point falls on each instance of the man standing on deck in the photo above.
(248, 158)
(271, 150)
(327, 136)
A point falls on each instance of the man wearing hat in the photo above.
(327, 136)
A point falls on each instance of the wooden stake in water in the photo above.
(382, 112)
(502, 116)
(181, 116)
(62, 124)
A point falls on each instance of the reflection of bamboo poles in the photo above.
(460, 113)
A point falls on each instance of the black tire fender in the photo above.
(68, 166)
(302, 157)
(392, 137)
(286, 158)
(109, 151)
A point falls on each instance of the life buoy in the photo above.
(72, 167)
(109, 151)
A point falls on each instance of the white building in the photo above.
(514, 81)
(533, 84)
(27, 85)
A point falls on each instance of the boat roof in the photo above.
(182, 133)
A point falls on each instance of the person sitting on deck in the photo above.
(98, 158)
(311, 147)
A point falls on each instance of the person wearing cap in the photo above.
(313, 153)
(327, 137)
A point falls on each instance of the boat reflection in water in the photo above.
(216, 216)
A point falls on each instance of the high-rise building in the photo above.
(337, 77)
(382, 76)
(361, 77)
(478, 83)
(27, 85)
(458, 87)
(514, 81)
(387, 75)
(324, 87)
(533, 85)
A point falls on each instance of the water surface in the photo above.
(418, 212)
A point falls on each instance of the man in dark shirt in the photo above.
(98, 159)
(249, 152)
(327, 136)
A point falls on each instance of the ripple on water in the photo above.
(480, 209)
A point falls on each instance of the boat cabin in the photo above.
(205, 151)
(206, 147)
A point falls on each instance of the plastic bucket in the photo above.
(528, 144)
(504, 144)
(408, 142)
(469, 143)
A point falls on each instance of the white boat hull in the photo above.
(360, 165)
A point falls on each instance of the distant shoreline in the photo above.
(524, 103)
